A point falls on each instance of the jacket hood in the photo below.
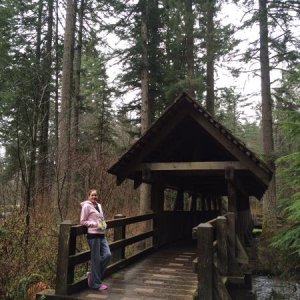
(86, 202)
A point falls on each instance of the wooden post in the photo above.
(222, 253)
(208, 201)
(248, 281)
(63, 271)
(232, 202)
(119, 234)
(203, 203)
(157, 197)
(193, 203)
(205, 261)
(231, 242)
(244, 219)
(157, 205)
(179, 200)
(215, 203)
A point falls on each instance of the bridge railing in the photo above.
(68, 259)
(219, 256)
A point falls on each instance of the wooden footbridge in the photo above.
(192, 241)
(171, 271)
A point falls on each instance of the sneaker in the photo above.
(89, 279)
(103, 287)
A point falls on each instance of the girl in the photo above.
(92, 217)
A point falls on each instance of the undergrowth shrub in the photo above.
(28, 255)
(273, 260)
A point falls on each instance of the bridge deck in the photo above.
(166, 274)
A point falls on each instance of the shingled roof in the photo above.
(187, 133)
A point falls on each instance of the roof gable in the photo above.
(188, 141)
(186, 132)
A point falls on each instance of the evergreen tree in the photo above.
(65, 149)
(24, 88)
(288, 237)
(45, 94)
(269, 204)
(96, 115)
(274, 47)
(227, 109)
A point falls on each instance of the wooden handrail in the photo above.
(129, 241)
(80, 230)
(212, 222)
(129, 220)
(217, 261)
(68, 259)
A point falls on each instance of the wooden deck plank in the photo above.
(167, 274)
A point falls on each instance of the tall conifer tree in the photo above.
(269, 204)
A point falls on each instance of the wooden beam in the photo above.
(192, 166)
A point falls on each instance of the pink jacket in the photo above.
(89, 216)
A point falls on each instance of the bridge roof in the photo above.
(187, 148)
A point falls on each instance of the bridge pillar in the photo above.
(66, 247)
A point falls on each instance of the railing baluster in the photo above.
(119, 234)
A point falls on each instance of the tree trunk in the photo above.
(269, 202)
(74, 183)
(154, 39)
(210, 56)
(39, 32)
(28, 167)
(56, 81)
(144, 69)
(189, 21)
(45, 108)
(144, 190)
(65, 115)
(77, 73)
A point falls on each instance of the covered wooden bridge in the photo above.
(201, 177)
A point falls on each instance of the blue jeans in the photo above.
(100, 257)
